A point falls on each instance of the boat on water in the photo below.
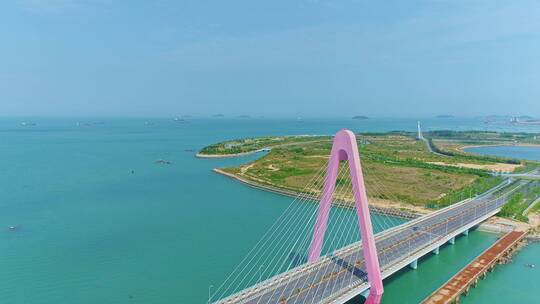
(163, 162)
(27, 124)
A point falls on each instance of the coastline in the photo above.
(263, 149)
(390, 211)
(199, 155)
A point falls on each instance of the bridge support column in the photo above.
(452, 241)
(345, 148)
(365, 293)
(435, 251)
(414, 264)
(466, 232)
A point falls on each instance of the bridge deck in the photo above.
(340, 276)
(461, 282)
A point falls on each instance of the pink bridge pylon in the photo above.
(345, 148)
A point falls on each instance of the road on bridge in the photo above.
(338, 277)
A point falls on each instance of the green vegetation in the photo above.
(536, 209)
(246, 145)
(397, 167)
(486, 158)
(485, 137)
(519, 202)
(479, 186)
(514, 208)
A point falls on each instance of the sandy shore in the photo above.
(499, 167)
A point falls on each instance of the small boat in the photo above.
(12, 227)
(27, 124)
(162, 161)
(531, 265)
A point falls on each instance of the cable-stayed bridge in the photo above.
(332, 254)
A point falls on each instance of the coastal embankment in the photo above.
(395, 212)
(458, 285)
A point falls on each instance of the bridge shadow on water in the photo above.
(357, 272)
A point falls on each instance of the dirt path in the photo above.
(499, 167)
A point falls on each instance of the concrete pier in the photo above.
(469, 276)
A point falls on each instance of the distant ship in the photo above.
(360, 117)
(27, 124)
(528, 121)
(178, 119)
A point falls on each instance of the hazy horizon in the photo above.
(306, 58)
(255, 116)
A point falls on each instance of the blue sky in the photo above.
(273, 58)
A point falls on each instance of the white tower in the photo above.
(419, 136)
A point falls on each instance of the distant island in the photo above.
(360, 117)
(244, 116)
(445, 116)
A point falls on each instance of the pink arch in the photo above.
(345, 148)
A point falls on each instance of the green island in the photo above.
(400, 171)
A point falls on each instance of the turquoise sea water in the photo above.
(99, 222)
(513, 282)
(531, 153)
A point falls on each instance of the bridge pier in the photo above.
(466, 232)
(452, 241)
(414, 264)
(365, 293)
(435, 251)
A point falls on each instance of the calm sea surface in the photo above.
(514, 282)
(98, 222)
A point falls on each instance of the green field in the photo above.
(397, 167)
